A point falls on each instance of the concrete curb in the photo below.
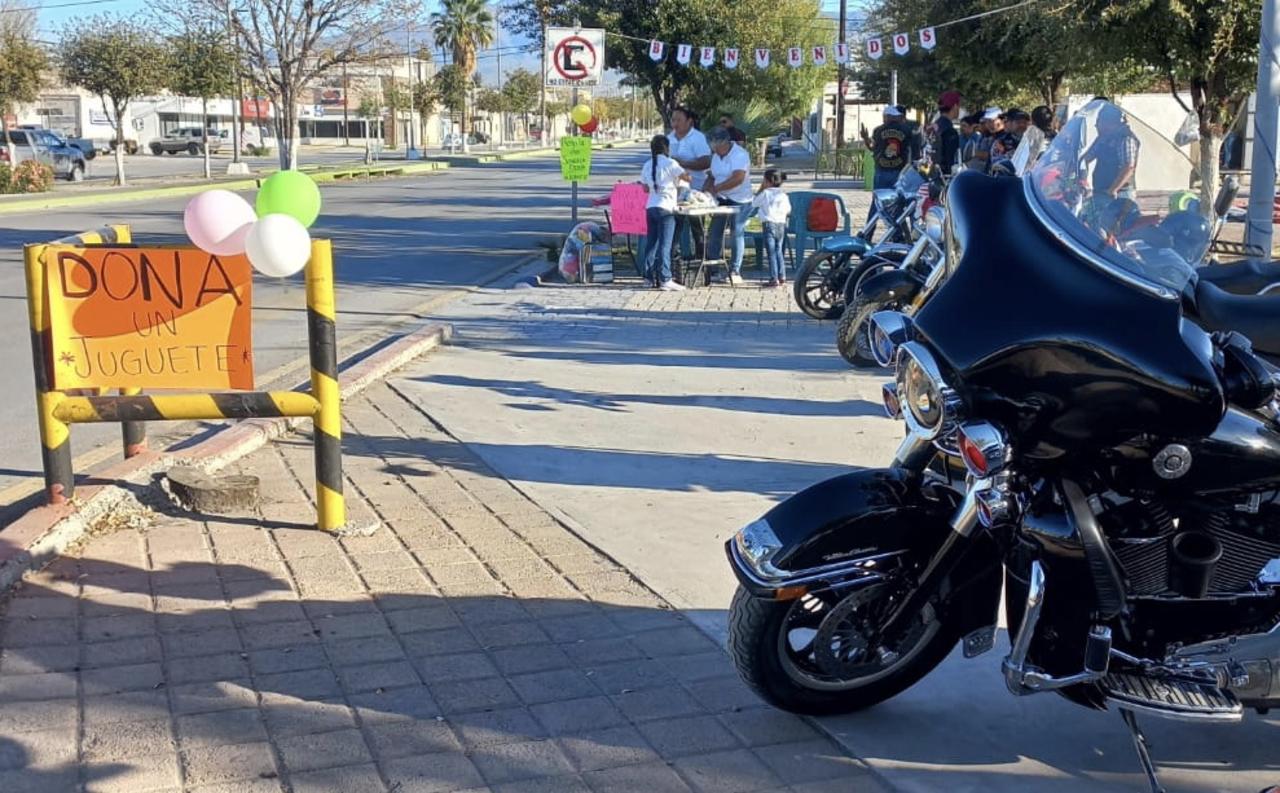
(33, 540)
(54, 201)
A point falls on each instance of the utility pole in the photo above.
(412, 152)
(346, 100)
(497, 45)
(893, 87)
(542, 109)
(237, 124)
(1262, 177)
(840, 75)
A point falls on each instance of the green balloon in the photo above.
(290, 193)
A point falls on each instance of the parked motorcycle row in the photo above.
(1092, 426)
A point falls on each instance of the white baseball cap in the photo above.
(992, 113)
(892, 110)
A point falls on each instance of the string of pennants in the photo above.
(817, 55)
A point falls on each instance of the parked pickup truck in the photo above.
(67, 162)
(83, 144)
(188, 139)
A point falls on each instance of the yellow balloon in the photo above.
(580, 114)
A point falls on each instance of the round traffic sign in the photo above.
(574, 58)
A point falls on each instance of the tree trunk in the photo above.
(119, 127)
(286, 130)
(204, 135)
(1210, 142)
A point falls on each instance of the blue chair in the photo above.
(798, 223)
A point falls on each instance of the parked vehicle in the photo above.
(1071, 431)
(85, 145)
(67, 161)
(774, 147)
(819, 283)
(188, 139)
(889, 286)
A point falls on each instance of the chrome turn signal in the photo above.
(892, 405)
(983, 447)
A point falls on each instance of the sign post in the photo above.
(574, 57)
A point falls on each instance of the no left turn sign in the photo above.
(574, 57)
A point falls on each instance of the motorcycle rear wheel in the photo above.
(819, 284)
(762, 636)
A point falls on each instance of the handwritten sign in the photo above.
(626, 209)
(149, 318)
(575, 158)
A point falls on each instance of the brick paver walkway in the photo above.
(468, 643)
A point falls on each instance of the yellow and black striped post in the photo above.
(331, 511)
(55, 436)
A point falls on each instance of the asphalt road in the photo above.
(398, 243)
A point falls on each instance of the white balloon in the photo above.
(278, 245)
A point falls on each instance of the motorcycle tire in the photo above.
(818, 284)
(755, 644)
(859, 273)
(851, 333)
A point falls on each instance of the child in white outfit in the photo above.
(773, 206)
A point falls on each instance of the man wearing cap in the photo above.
(1006, 141)
(1115, 152)
(729, 181)
(893, 145)
(948, 140)
(992, 126)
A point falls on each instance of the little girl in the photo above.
(773, 206)
(659, 177)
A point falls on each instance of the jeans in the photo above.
(657, 258)
(774, 235)
(885, 179)
(715, 245)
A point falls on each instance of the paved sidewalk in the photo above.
(468, 643)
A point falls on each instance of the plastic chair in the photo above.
(798, 224)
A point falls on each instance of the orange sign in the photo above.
(149, 318)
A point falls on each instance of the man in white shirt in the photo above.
(730, 183)
(689, 148)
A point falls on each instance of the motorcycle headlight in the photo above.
(933, 223)
(757, 545)
(929, 405)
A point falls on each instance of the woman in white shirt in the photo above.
(660, 176)
(730, 184)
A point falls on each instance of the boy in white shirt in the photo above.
(660, 176)
(773, 206)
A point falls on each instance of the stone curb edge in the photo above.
(34, 539)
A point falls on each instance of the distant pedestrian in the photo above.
(661, 176)
(892, 145)
(773, 206)
(946, 137)
(992, 126)
(970, 136)
(735, 134)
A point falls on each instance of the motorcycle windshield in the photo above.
(1117, 191)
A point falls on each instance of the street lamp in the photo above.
(412, 152)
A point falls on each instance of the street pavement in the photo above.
(398, 244)
(464, 641)
(658, 423)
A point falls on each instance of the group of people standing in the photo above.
(718, 165)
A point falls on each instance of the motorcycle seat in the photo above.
(1247, 277)
(842, 244)
(1255, 316)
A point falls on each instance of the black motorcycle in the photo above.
(1073, 436)
(819, 283)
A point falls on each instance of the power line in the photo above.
(74, 4)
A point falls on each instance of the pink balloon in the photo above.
(218, 222)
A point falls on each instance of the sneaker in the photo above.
(671, 286)
(782, 284)
(735, 279)
(772, 283)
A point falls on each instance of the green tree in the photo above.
(451, 86)
(521, 93)
(463, 27)
(118, 60)
(22, 61)
(399, 99)
(1209, 46)
(202, 64)
(426, 98)
(491, 100)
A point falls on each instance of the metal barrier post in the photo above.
(55, 436)
(331, 513)
(133, 433)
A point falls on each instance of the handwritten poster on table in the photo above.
(575, 158)
(626, 209)
(149, 318)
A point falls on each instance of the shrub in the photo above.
(30, 176)
(259, 151)
(6, 178)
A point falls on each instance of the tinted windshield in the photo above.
(1118, 190)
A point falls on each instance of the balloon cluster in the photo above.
(583, 116)
(273, 234)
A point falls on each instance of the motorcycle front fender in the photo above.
(899, 286)
(855, 246)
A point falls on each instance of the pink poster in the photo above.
(626, 209)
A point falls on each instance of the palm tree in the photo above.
(463, 27)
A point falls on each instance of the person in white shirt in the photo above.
(730, 184)
(689, 148)
(773, 206)
(660, 177)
